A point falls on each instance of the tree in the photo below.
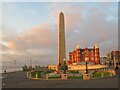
(30, 68)
(37, 67)
(25, 68)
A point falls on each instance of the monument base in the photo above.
(60, 67)
(64, 76)
(86, 77)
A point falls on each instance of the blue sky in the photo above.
(26, 13)
(34, 13)
(14, 11)
(33, 26)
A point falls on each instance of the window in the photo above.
(96, 50)
(92, 58)
(92, 54)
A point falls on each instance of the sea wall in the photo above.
(82, 67)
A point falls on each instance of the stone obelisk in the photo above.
(61, 42)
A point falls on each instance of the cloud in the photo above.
(38, 43)
(37, 37)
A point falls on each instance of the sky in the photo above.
(30, 29)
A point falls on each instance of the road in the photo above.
(19, 80)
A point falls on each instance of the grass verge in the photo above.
(36, 72)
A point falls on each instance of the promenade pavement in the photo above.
(19, 80)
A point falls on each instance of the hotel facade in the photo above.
(87, 54)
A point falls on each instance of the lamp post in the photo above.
(14, 65)
(114, 57)
(64, 66)
(86, 59)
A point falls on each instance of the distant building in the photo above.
(103, 60)
(78, 55)
(114, 57)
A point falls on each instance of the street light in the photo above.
(64, 66)
(114, 58)
(86, 59)
(14, 65)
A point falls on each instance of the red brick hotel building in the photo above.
(78, 55)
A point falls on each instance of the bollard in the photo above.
(46, 76)
(110, 73)
(36, 75)
(113, 72)
(102, 75)
(30, 75)
(27, 74)
(104, 69)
